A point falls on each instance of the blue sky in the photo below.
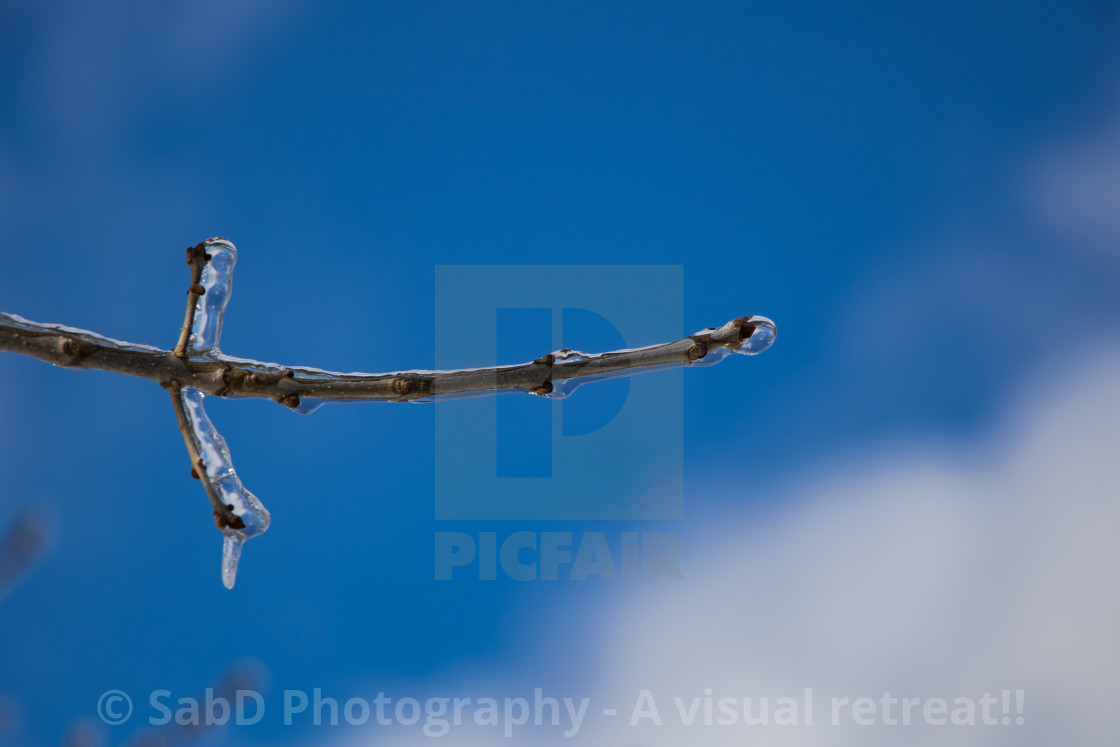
(918, 195)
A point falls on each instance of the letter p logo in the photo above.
(539, 458)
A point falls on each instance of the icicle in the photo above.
(231, 492)
(231, 553)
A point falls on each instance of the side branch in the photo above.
(223, 512)
(197, 259)
(225, 376)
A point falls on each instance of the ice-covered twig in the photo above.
(189, 429)
(196, 367)
(197, 259)
(226, 376)
(237, 512)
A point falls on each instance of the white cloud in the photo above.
(922, 573)
(93, 67)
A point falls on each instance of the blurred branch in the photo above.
(246, 675)
(23, 545)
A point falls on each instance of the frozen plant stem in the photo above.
(197, 259)
(237, 512)
(196, 367)
(223, 515)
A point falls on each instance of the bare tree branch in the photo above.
(197, 259)
(225, 376)
(196, 367)
(223, 512)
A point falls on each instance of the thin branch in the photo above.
(225, 376)
(196, 366)
(197, 259)
(223, 512)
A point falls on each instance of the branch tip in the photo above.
(746, 326)
(197, 252)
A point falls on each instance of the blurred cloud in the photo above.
(90, 77)
(96, 128)
(1075, 186)
(925, 571)
(84, 80)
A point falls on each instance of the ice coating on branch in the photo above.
(567, 370)
(219, 469)
(563, 388)
(558, 374)
(567, 355)
(761, 338)
(82, 335)
(197, 360)
(761, 335)
(206, 333)
(217, 279)
(748, 335)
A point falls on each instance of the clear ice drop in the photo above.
(761, 338)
